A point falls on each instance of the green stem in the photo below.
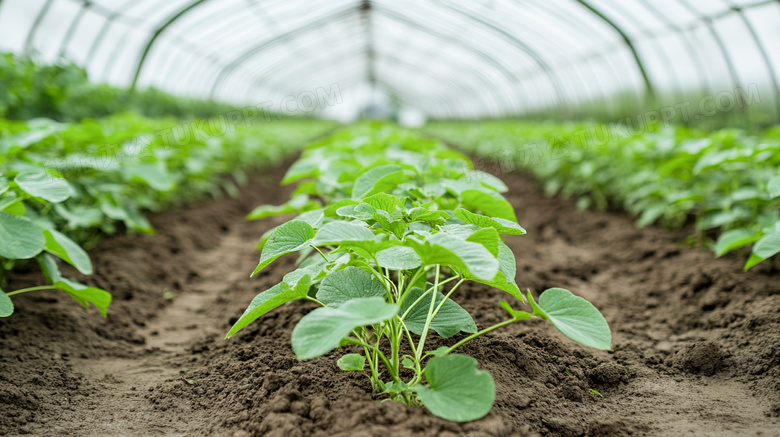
(320, 252)
(376, 350)
(421, 345)
(25, 290)
(446, 297)
(477, 334)
(422, 296)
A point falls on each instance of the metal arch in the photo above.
(72, 28)
(649, 89)
(768, 62)
(104, 29)
(522, 45)
(156, 34)
(259, 79)
(34, 28)
(258, 48)
(693, 54)
(290, 34)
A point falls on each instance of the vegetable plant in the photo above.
(389, 230)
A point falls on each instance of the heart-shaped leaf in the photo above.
(322, 330)
(43, 185)
(20, 238)
(574, 317)
(458, 390)
(398, 258)
(59, 244)
(465, 256)
(270, 299)
(6, 305)
(492, 205)
(351, 362)
(346, 284)
(450, 319)
(287, 238)
(85, 294)
(503, 226)
(378, 179)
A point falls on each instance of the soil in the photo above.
(696, 340)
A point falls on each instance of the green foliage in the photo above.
(63, 185)
(398, 227)
(63, 92)
(727, 181)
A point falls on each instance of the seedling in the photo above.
(385, 254)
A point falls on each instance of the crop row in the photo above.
(62, 186)
(389, 228)
(726, 182)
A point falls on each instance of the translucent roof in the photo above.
(447, 58)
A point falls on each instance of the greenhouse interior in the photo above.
(371, 218)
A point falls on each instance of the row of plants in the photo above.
(63, 92)
(388, 228)
(726, 182)
(63, 186)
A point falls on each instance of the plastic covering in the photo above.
(447, 58)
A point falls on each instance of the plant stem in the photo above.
(379, 352)
(320, 252)
(25, 290)
(421, 345)
(477, 334)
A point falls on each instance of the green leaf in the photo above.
(381, 178)
(347, 284)
(734, 239)
(752, 261)
(322, 330)
(85, 294)
(62, 246)
(398, 258)
(20, 238)
(43, 185)
(351, 362)
(51, 270)
(335, 233)
(768, 245)
(298, 204)
(458, 390)
(6, 305)
(574, 317)
(503, 226)
(287, 238)
(384, 202)
(450, 319)
(774, 187)
(154, 175)
(331, 211)
(492, 205)
(487, 237)
(270, 299)
(407, 363)
(10, 205)
(464, 256)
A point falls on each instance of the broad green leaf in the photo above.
(51, 270)
(574, 317)
(398, 258)
(734, 239)
(768, 245)
(45, 186)
(381, 178)
(335, 233)
(12, 205)
(153, 175)
(505, 278)
(4, 186)
(62, 246)
(331, 211)
(458, 390)
(287, 238)
(85, 294)
(347, 284)
(6, 305)
(20, 238)
(752, 261)
(351, 362)
(503, 226)
(407, 363)
(487, 237)
(774, 187)
(450, 319)
(464, 256)
(492, 205)
(383, 201)
(298, 204)
(270, 299)
(322, 330)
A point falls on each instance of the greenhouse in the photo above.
(433, 218)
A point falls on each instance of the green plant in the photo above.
(727, 181)
(64, 185)
(389, 232)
